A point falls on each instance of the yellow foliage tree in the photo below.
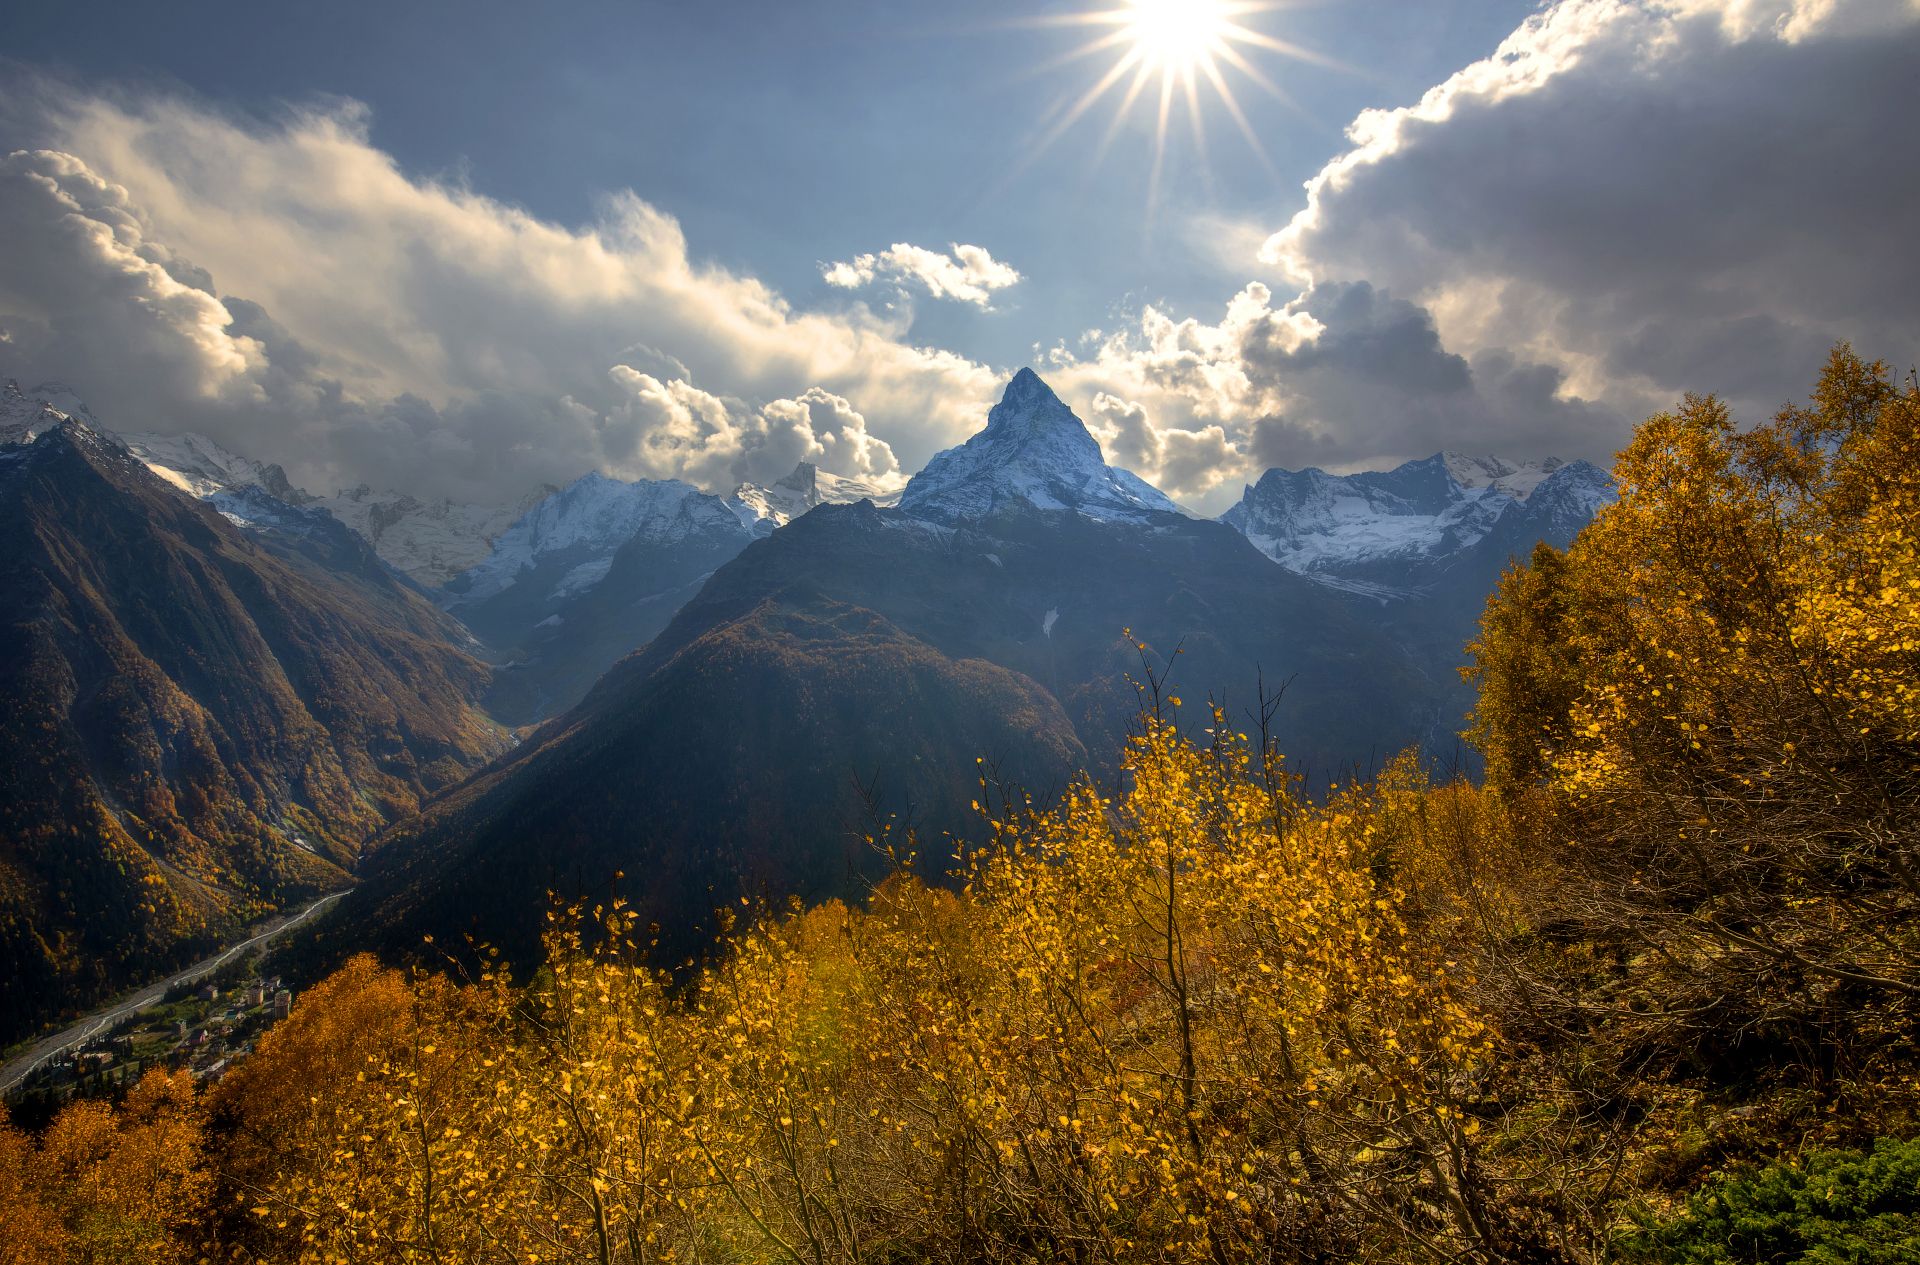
(109, 1185)
(1186, 1022)
(1722, 681)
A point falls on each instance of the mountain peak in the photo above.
(763, 508)
(1516, 480)
(805, 479)
(1026, 386)
(1032, 450)
(1029, 410)
(26, 415)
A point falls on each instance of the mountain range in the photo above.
(203, 715)
(716, 693)
(1397, 534)
(844, 668)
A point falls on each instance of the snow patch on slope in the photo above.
(431, 541)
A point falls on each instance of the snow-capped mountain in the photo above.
(1567, 499)
(779, 503)
(566, 540)
(257, 497)
(1384, 531)
(24, 415)
(1498, 473)
(1033, 451)
(249, 494)
(589, 574)
(359, 530)
(431, 541)
(571, 536)
(201, 468)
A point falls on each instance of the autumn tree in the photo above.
(1720, 682)
(106, 1183)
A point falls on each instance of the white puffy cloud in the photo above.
(80, 281)
(1186, 462)
(969, 274)
(673, 429)
(1126, 434)
(359, 324)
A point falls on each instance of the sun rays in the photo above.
(1169, 56)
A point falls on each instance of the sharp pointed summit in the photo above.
(1033, 451)
(1027, 387)
(25, 416)
(1029, 411)
(805, 480)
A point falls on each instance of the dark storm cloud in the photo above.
(1378, 379)
(1657, 201)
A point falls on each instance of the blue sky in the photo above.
(444, 243)
(787, 134)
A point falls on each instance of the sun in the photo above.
(1172, 53)
(1176, 36)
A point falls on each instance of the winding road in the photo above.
(20, 1068)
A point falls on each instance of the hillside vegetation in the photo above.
(1647, 994)
(199, 726)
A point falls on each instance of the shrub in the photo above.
(1861, 1208)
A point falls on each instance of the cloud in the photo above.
(80, 281)
(290, 291)
(1652, 197)
(673, 429)
(1341, 375)
(1187, 462)
(968, 275)
(1629, 200)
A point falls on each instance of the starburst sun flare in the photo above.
(1176, 35)
(1170, 47)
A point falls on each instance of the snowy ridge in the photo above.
(1032, 451)
(47, 417)
(252, 495)
(202, 469)
(257, 509)
(428, 541)
(25, 416)
(583, 525)
(1517, 481)
(1320, 524)
(779, 503)
(60, 397)
(431, 541)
